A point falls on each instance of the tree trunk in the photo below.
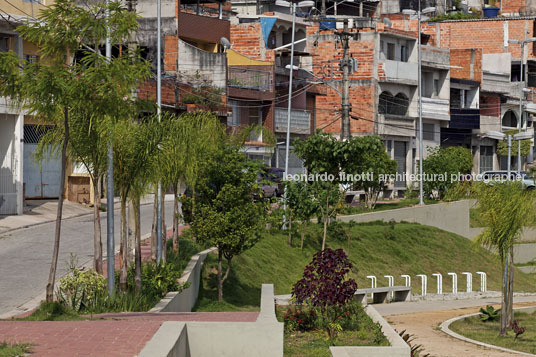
(504, 302)
(175, 218)
(289, 229)
(220, 282)
(326, 218)
(303, 225)
(510, 312)
(164, 232)
(137, 234)
(123, 250)
(97, 238)
(153, 229)
(57, 233)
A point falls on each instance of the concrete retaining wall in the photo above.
(185, 300)
(450, 216)
(257, 339)
(398, 348)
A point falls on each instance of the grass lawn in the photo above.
(316, 343)
(488, 332)
(377, 248)
(384, 205)
(474, 218)
(14, 350)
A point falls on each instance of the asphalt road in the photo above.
(25, 254)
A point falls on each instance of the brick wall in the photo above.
(512, 6)
(171, 53)
(471, 62)
(247, 40)
(147, 91)
(490, 105)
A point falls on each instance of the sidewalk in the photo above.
(44, 211)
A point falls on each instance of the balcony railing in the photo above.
(300, 121)
(464, 118)
(247, 78)
(433, 108)
(396, 71)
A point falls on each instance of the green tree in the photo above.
(454, 160)
(506, 209)
(188, 141)
(376, 164)
(502, 146)
(56, 87)
(135, 145)
(301, 204)
(226, 215)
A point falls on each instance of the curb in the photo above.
(445, 328)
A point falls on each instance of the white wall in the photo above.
(11, 195)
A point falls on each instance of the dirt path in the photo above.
(425, 328)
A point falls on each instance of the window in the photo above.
(4, 44)
(382, 48)
(391, 51)
(403, 53)
(428, 131)
(31, 58)
(436, 87)
(388, 147)
(486, 158)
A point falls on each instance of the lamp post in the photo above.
(159, 111)
(419, 86)
(521, 85)
(292, 6)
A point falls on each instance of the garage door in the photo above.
(39, 181)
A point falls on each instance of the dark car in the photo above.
(275, 175)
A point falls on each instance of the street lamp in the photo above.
(419, 86)
(521, 85)
(292, 6)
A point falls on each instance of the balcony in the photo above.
(300, 121)
(400, 72)
(201, 67)
(464, 118)
(251, 79)
(435, 108)
(204, 28)
(435, 57)
(398, 125)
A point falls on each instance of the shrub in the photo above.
(78, 289)
(489, 314)
(300, 319)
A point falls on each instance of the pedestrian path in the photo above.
(422, 319)
(119, 334)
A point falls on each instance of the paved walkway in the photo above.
(422, 319)
(123, 334)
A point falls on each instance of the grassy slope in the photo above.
(487, 332)
(377, 248)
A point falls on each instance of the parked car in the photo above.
(268, 187)
(275, 175)
(502, 175)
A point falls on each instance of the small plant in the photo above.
(518, 330)
(300, 319)
(79, 288)
(415, 350)
(489, 314)
(14, 349)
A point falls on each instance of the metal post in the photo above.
(159, 110)
(345, 128)
(287, 148)
(110, 241)
(509, 139)
(521, 82)
(421, 153)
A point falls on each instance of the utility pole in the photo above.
(323, 9)
(345, 129)
(159, 110)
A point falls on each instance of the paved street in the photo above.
(25, 254)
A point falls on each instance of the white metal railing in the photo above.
(300, 121)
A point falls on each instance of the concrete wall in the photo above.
(11, 156)
(398, 348)
(451, 217)
(261, 338)
(185, 300)
(200, 67)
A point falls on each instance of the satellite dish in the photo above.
(225, 43)
(387, 22)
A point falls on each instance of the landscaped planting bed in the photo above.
(488, 332)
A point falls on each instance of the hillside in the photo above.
(377, 248)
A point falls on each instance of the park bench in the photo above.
(379, 295)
